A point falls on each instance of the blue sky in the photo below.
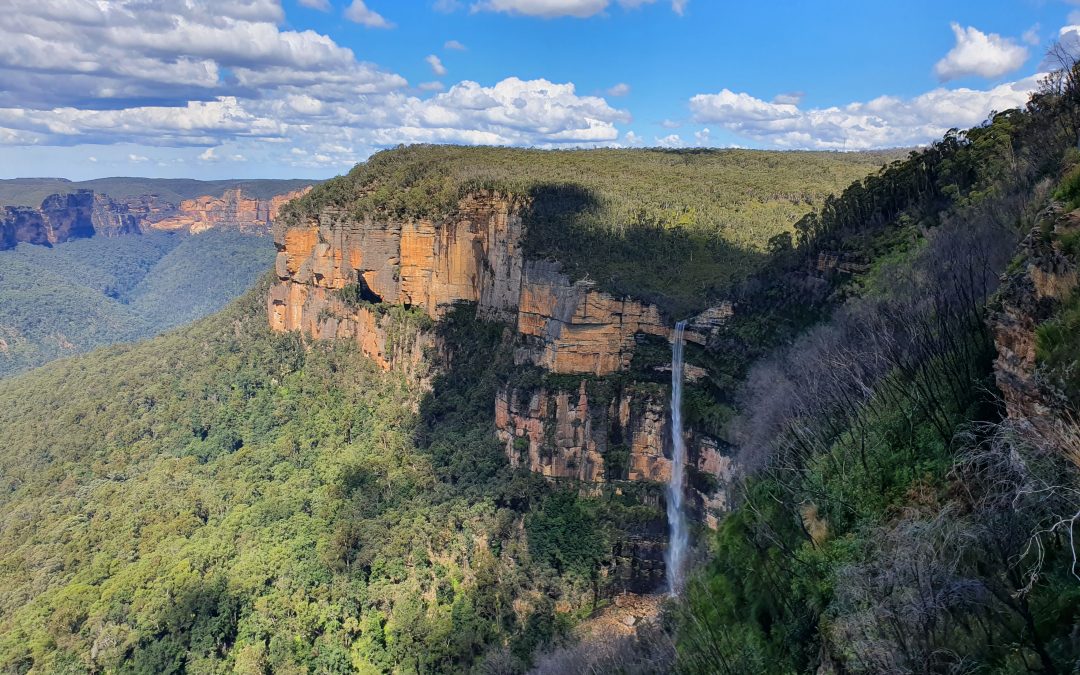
(272, 88)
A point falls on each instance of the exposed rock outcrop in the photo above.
(233, 210)
(22, 224)
(340, 276)
(60, 218)
(115, 217)
(84, 213)
(625, 436)
(69, 216)
(474, 255)
(1029, 296)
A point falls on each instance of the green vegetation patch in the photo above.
(1057, 344)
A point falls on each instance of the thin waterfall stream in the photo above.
(678, 538)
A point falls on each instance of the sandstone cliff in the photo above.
(84, 213)
(22, 224)
(620, 436)
(474, 255)
(60, 218)
(233, 210)
(115, 217)
(340, 276)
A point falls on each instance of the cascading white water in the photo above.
(678, 538)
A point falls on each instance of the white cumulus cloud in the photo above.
(127, 52)
(358, 11)
(886, 121)
(206, 75)
(513, 112)
(436, 64)
(977, 53)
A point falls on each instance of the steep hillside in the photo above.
(900, 513)
(73, 297)
(225, 498)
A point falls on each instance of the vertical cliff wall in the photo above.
(233, 210)
(606, 437)
(60, 218)
(22, 224)
(84, 213)
(342, 276)
(473, 255)
(115, 217)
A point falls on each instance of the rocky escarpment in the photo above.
(60, 218)
(339, 274)
(607, 437)
(22, 224)
(84, 213)
(233, 210)
(115, 217)
(1043, 278)
(475, 256)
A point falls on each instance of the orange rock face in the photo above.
(320, 313)
(232, 210)
(565, 435)
(475, 255)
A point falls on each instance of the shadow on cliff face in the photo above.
(456, 422)
(658, 255)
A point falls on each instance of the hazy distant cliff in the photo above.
(59, 219)
(85, 213)
(233, 210)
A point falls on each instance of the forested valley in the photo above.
(69, 299)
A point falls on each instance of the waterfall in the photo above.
(678, 538)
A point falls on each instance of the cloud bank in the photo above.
(886, 121)
(204, 73)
